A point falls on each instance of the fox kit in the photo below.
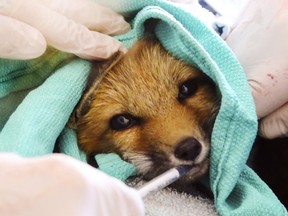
(152, 109)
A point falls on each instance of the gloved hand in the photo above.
(75, 26)
(259, 40)
(59, 185)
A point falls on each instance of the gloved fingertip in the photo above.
(101, 48)
(123, 49)
(21, 42)
(268, 128)
(125, 27)
(36, 50)
(22, 54)
(262, 132)
(119, 26)
(273, 126)
(36, 44)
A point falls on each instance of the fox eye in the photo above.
(121, 122)
(187, 89)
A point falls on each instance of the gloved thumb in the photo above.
(19, 40)
(275, 124)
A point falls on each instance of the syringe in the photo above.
(164, 179)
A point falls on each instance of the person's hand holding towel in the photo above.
(259, 41)
(75, 26)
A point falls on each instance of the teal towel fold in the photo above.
(113, 165)
(34, 127)
(41, 116)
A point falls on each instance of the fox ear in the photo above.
(98, 71)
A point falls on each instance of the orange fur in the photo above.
(145, 84)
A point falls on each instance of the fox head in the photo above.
(154, 110)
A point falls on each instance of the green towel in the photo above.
(39, 121)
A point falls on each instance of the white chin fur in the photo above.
(144, 164)
(140, 161)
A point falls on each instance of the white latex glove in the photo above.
(59, 185)
(259, 40)
(75, 26)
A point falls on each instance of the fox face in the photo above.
(154, 110)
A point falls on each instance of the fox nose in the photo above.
(188, 149)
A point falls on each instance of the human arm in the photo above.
(259, 42)
(60, 185)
